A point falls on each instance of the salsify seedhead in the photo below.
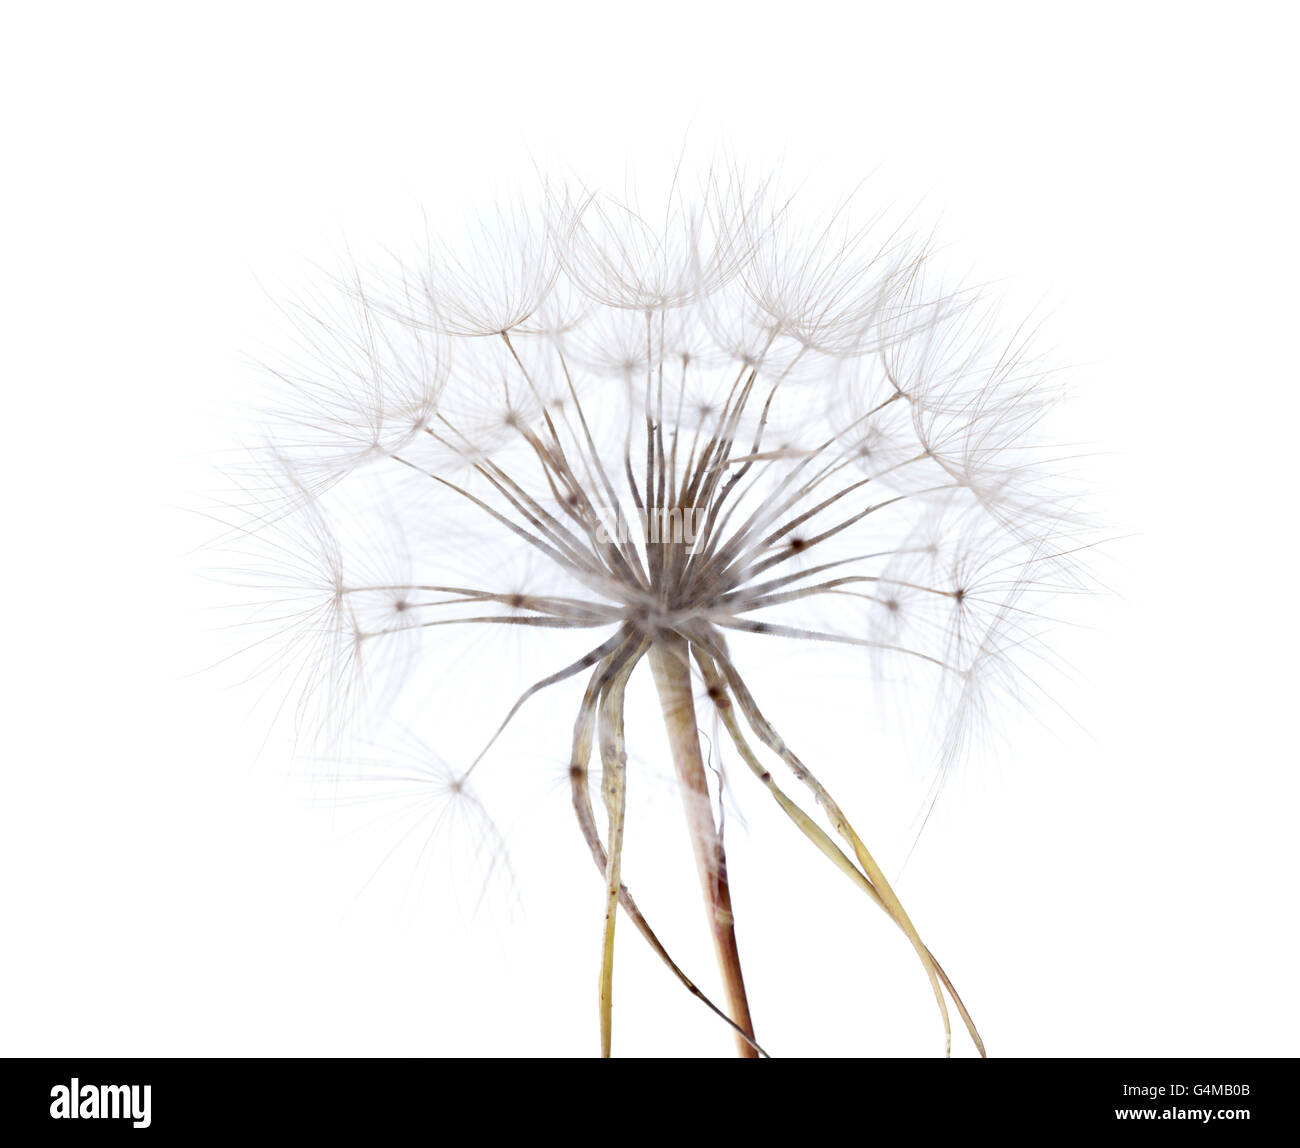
(664, 430)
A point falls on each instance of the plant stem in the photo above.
(671, 668)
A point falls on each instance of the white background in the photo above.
(1120, 885)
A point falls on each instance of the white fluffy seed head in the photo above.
(710, 418)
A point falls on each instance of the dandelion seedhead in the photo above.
(666, 428)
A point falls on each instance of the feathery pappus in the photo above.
(669, 428)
